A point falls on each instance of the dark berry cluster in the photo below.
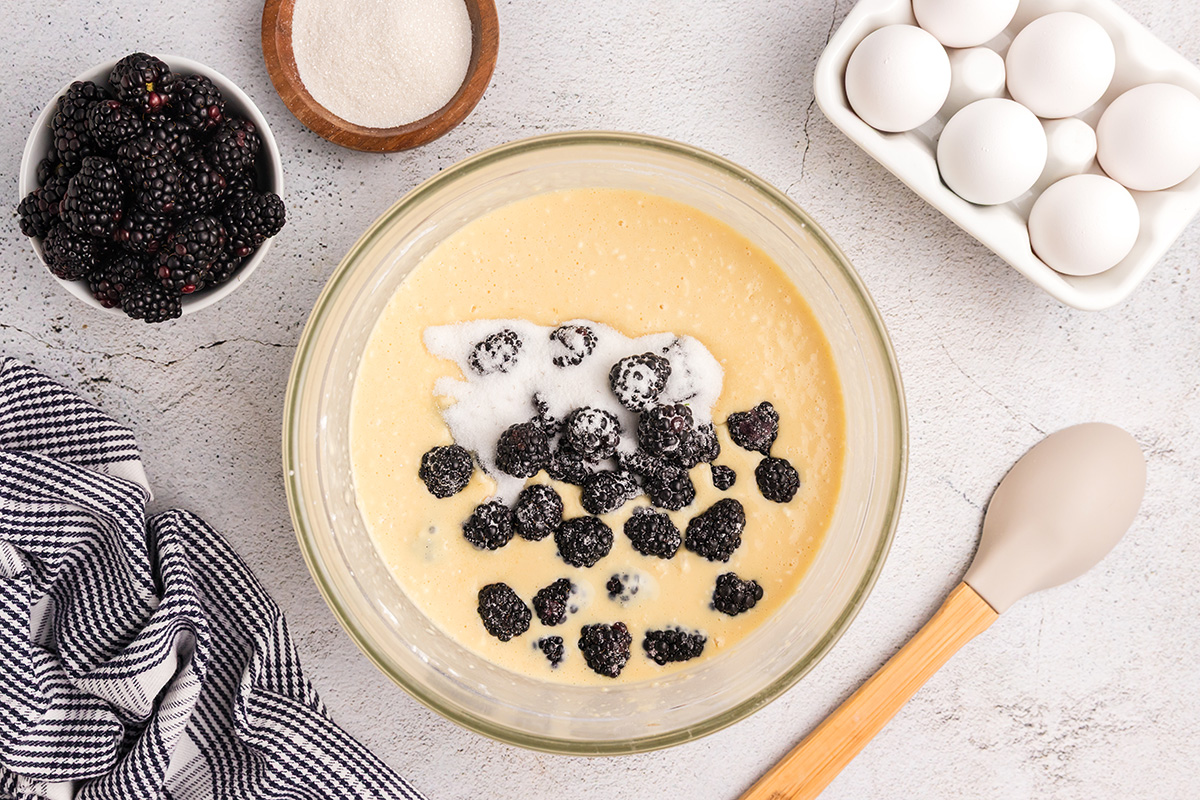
(504, 614)
(551, 602)
(652, 533)
(571, 344)
(672, 644)
(605, 648)
(756, 430)
(446, 470)
(538, 512)
(490, 526)
(716, 533)
(733, 595)
(583, 541)
(150, 191)
(587, 446)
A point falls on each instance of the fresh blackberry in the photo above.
(777, 479)
(648, 467)
(72, 142)
(144, 82)
(698, 446)
(723, 477)
(47, 168)
(109, 281)
(623, 587)
(223, 268)
(490, 526)
(662, 429)
(198, 103)
(605, 648)
(35, 215)
(172, 133)
(568, 466)
(538, 512)
(233, 146)
(142, 232)
(499, 352)
(672, 645)
(239, 187)
(542, 417)
(504, 614)
(70, 255)
(552, 647)
(637, 381)
(149, 300)
(55, 189)
(522, 451)
(550, 602)
(186, 258)
(95, 199)
(733, 596)
(582, 541)
(716, 533)
(652, 533)
(446, 470)
(200, 186)
(151, 174)
(593, 433)
(251, 220)
(755, 429)
(110, 122)
(671, 490)
(605, 492)
(571, 344)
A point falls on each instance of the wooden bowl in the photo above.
(281, 66)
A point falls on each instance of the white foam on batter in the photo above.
(478, 409)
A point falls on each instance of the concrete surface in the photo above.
(1091, 690)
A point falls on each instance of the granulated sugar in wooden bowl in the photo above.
(380, 75)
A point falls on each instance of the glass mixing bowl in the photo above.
(463, 686)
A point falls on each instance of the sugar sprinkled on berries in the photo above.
(605, 648)
(717, 532)
(755, 429)
(503, 613)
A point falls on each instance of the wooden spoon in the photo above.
(1060, 510)
(281, 66)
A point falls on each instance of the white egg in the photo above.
(964, 23)
(1060, 64)
(992, 151)
(1071, 148)
(975, 73)
(897, 78)
(1149, 137)
(1083, 224)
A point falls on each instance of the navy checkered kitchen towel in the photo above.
(139, 657)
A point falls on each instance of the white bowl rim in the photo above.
(35, 150)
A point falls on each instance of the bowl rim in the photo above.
(33, 153)
(292, 468)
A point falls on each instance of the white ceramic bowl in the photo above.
(1141, 58)
(269, 167)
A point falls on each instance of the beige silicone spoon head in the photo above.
(1059, 510)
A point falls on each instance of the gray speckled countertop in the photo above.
(1090, 690)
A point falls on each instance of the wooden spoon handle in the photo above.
(811, 765)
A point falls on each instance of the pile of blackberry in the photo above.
(611, 465)
(149, 191)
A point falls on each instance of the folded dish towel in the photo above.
(139, 657)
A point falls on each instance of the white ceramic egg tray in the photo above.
(1141, 58)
